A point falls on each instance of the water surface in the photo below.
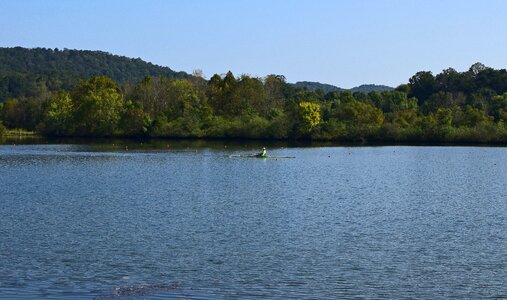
(185, 220)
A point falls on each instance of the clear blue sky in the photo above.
(345, 43)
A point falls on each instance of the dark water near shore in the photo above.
(183, 220)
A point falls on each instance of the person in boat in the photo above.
(263, 152)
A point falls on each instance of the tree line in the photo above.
(451, 106)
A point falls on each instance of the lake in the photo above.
(173, 220)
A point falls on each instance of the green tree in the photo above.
(449, 80)
(275, 88)
(134, 121)
(248, 94)
(150, 94)
(422, 85)
(58, 115)
(21, 113)
(444, 100)
(9, 113)
(405, 118)
(184, 99)
(474, 117)
(500, 107)
(309, 114)
(391, 101)
(214, 92)
(443, 117)
(222, 95)
(98, 107)
(361, 114)
(361, 119)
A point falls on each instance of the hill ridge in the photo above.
(26, 72)
(44, 60)
(327, 88)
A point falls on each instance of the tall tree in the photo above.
(98, 107)
(422, 85)
(58, 115)
(310, 116)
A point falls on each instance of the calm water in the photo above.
(96, 221)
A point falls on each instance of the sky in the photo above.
(340, 42)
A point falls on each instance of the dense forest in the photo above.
(34, 72)
(451, 106)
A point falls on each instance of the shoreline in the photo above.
(28, 137)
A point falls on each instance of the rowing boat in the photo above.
(259, 156)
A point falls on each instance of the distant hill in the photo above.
(326, 88)
(366, 88)
(33, 72)
(311, 85)
(83, 63)
(28, 72)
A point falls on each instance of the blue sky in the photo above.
(345, 43)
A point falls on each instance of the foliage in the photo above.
(58, 115)
(21, 113)
(32, 72)
(367, 88)
(451, 106)
(3, 130)
(313, 86)
(98, 107)
(134, 121)
(309, 114)
(328, 88)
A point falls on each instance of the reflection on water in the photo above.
(167, 219)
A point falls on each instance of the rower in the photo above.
(263, 152)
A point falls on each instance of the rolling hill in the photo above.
(33, 72)
(29, 72)
(326, 88)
